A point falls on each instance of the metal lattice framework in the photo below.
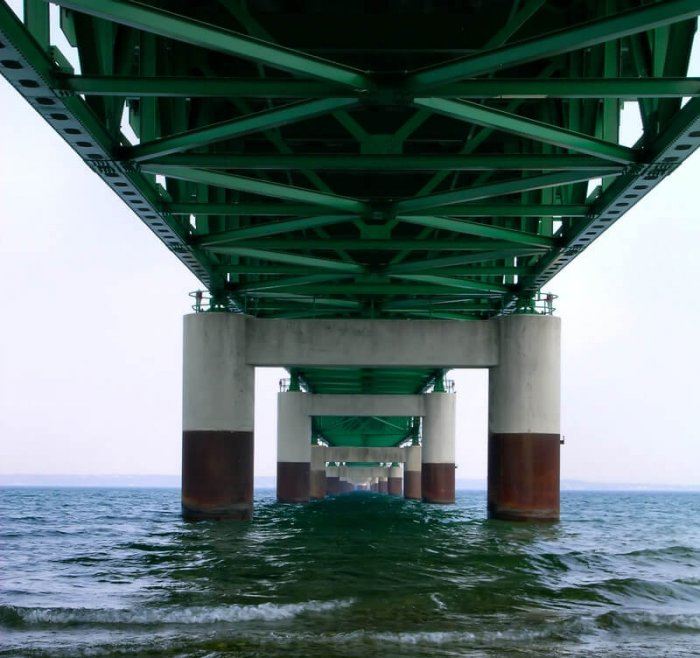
(390, 159)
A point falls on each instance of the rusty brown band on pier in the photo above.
(332, 485)
(217, 475)
(523, 477)
(412, 485)
(438, 483)
(293, 482)
(318, 484)
(395, 486)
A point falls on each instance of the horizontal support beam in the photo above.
(352, 244)
(257, 186)
(451, 282)
(356, 162)
(289, 282)
(549, 45)
(273, 209)
(236, 127)
(534, 88)
(182, 28)
(294, 259)
(451, 287)
(529, 128)
(489, 190)
(421, 264)
(362, 454)
(367, 343)
(482, 230)
(271, 228)
(318, 404)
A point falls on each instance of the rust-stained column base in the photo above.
(374, 487)
(383, 486)
(318, 485)
(395, 486)
(332, 485)
(438, 483)
(348, 487)
(411, 485)
(293, 482)
(523, 477)
(217, 475)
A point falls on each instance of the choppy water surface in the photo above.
(115, 572)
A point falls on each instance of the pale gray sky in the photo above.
(90, 336)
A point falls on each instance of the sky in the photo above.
(91, 331)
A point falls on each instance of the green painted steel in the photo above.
(316, 160)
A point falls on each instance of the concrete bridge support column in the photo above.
(438, 454)
(293, 448)
(332, 480)
(374, 485)
(412, 473)
(396, 480)
(524, 422)
(217, 419)
(384, 482)
(318, 473)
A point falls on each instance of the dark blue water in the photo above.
(115, 572)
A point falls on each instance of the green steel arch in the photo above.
(393, 159)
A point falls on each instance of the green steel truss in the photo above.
(402, 159)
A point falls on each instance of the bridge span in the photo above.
(370, 194)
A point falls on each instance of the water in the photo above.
(115, 572)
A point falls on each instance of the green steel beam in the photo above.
(182, 28)
(313, 300)
(236, 127)
(422, 264)
(257, 186)
(272, 284)
(354, 162)
(383, 289)
(292, 259)
(578, 37)
(534, 88)
(528, 128)
(449, 282)
(200, 87)
(273, 209)
(537, 89)
(475, 228)
(354, 244)
(488, 190)
(271, 228)
(252, 208)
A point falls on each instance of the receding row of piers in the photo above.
(221, 351)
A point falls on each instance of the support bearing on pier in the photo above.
(524, 422)
(217, 419)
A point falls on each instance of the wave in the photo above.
(15, 616)
(647, 619)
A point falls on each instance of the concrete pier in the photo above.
(412, 473)
(217, 419)
(438, 454)
(524, 423)
(293, 448)
(383, 483)
(396, 479)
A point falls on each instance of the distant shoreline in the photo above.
(268, 482)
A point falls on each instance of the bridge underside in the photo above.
(399, 159)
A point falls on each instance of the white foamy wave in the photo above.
(678, 621)
(440, 637)
(191, 615)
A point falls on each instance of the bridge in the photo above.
(371, 194)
